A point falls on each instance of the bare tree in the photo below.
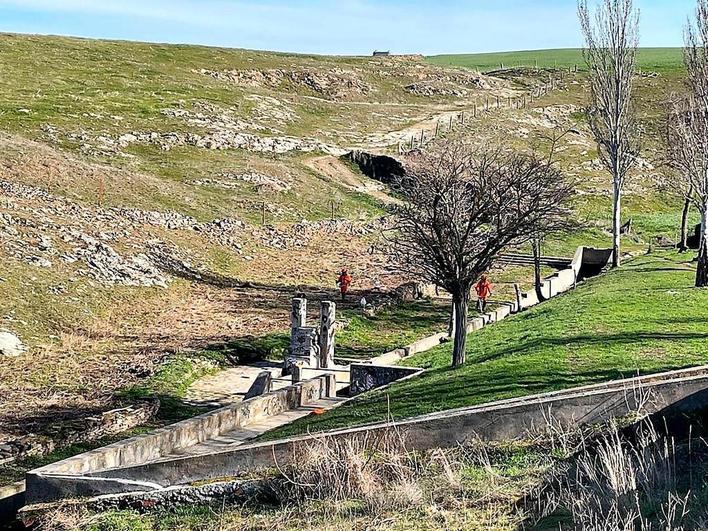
(463, 207)
(687, 142)
(611, 39)
(683, 237)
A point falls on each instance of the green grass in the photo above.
(392, 328)
(655, 59)
(101, 88)
(170, 383)
(454, 488)
(644, 318)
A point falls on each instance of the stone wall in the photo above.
(366, 377)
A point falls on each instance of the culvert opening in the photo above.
(381, 168)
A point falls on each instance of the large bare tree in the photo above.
(463, 207)
(687, 142)
(611, 40)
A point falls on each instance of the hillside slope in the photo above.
(160, 199)
(646, 317)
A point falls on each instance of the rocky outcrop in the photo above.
(335, 84)
(65, 433)
(220, 139)
(231, 181)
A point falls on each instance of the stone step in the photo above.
(234, 438)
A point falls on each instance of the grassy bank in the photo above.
(657, 59)
(643, 318)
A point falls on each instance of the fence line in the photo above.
(419, 141)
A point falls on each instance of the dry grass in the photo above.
(638, 479)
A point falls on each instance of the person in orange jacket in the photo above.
(344, 281)
(484, 290)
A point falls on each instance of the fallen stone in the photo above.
(10, 344)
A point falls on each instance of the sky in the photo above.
(346, 27)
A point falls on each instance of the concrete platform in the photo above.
(231, 385)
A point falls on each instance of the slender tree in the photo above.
(611, 39)
(687, 142)
(463, 207)
(683, 238)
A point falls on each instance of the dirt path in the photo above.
(335, 169)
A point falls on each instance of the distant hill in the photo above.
(658, 59)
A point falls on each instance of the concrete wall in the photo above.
(12, 499)
(365, 377)
(585, 259)
(340, 373)
(502, 420)
(190, 432)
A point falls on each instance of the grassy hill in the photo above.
(656, 59)
(218, 169)
(646, 317)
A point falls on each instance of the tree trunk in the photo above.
(451, 322)
(459, 350)
(702, 269)
(682, 246)
(616, 224)
(536, 246)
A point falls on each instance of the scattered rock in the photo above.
(335, 84)
(10, 344)
(262, 182)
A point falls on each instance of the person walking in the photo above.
(484, 290)
(344, 281)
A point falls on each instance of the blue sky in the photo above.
(337, 26)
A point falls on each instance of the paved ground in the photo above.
(230, 386)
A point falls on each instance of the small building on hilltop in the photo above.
(381, 54)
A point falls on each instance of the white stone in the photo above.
(10, 344)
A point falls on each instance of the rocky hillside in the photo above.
(159, 199)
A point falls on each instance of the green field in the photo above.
(655, 59)
(646, 317)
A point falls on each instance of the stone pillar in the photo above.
(327, 320)
(298, 320)
(298, 315)
(304, 349)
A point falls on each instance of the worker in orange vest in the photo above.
(484, 290)
(344, 281)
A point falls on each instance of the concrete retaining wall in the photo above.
(340, 373)
(365, 377)
(502, 420)
(12, 499)
(190, 432)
